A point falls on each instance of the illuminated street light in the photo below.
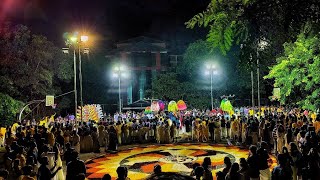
(262, 44)
(84, 38)
(212, 70)
(118, 72)
(72, 40)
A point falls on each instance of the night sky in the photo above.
(112, 20)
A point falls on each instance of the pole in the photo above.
(252, 89)
(119, 91)
(80, 78)
(75, 82)
(258, 77)
(211, 76)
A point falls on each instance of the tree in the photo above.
(9, 108)
(30, 65)
(247, 21)
(242, 24)
(297, 72)
(166, 86)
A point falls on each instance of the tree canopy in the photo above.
(297, 72)
(30, 66)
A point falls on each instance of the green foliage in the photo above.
(194, 59)
(297, 72)
(9, 108)
(224, 18)
(166, 86)
(30, 65)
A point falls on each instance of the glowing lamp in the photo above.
(73, 39)
(84, 38)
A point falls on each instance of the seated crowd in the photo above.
(38, 152)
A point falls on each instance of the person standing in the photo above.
(211, 129)
(253, 161)
(44, 173)
(282, 172)
(263, 162)
(75, 167)
(223, 127)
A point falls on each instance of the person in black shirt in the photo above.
(75, 167)
(282, 172)
(68, 153)
(211, 129)
(263, 161)
(228, 126)
(44, 173)
(223, 127)
(253, 161)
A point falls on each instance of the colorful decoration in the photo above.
(172, 107)
(226, 105)
(181, 105)
(90, 112)
(148, 110)
(161, 105)
(140, 161)
(155, 106)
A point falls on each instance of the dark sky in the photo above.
(112, 20)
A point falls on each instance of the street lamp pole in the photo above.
(119, 90)
(258, 77)
(211, 74)
(75, 81)
(80, 78)
(252, 88)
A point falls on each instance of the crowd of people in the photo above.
(36, 151)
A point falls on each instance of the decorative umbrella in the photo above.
(161, 105)
(172, 107)
(181, 105)
(148, 110)
(155, 106)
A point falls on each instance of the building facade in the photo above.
(145, 58)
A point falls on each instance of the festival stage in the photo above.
(172, 158)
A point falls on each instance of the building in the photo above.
(145, 57)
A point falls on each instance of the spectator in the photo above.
(194, 166)
(106, 177)
(262, 153)
(4, 174)
(199, 172)
(27, 171)
(253, 161)
(75, 166)
(68, 153)
(227, 163)
(282, 172)
(244, 169)
(233, 173)
(207, 169)
(157, 169)
(45, 173)
(295, 155)
(122, 173)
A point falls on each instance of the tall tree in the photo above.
(30, 65)
(297, 72)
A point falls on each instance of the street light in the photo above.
(118, 71)
(261, 46)
(72, 40)
(211, 70)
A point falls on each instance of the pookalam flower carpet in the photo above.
(141, 160)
